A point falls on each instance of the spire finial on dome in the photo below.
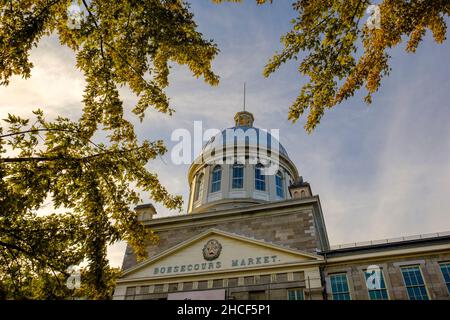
(244, 118)
(244, 96)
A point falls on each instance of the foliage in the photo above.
(118, 43)
(340, 54)
(328, 34)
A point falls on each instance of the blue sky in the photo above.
(381, 170)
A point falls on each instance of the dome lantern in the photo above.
(244, 119)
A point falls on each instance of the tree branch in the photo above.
(56, 158)
(35, 131)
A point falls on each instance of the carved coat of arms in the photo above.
(212, 249)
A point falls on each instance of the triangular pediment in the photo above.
(218, 251)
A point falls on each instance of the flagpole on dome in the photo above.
(244, 96)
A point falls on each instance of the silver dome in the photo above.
(245, 136)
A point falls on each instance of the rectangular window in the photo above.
(257, 295)
(377, 287)
(339, 287)
(216, 179)
(260, 179)
(279, 185)
(215, 186)
(260, 185)
(295, 294)
(130, 293)
(414, 283)
(248, 281)
(445, 268)
(218, 283)
(202, 284)
(233, 282)
(187, 286)
(238, 177)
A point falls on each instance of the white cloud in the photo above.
(55, 85)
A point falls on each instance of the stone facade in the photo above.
(428, 258)
(297, 224)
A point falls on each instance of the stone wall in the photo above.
(294, 229)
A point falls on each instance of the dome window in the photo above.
(238, 176)
(260, 179)
(279, 184)
(216, 179)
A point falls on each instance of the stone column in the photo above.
(270, 187)
(225, 183)
(206, 183)
(286, 184)
(249, 180)
(192, 193)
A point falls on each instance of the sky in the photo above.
(381, 170)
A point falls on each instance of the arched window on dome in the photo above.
(260, 179)
(237, 180)
(279, 184)
(216, 178)
(198, 187)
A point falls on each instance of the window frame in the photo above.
(217, 182)
(296, 291)
(257, 292)
(130, 295)
(236, 178)
(377, 290)
(447, 263)
(261, 179)
(349, 292)
(415, 286)
(279, 187)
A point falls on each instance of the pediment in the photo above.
(218, 251)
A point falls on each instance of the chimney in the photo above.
(145, 211)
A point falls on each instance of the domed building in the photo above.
(229, 173)
(254, 230)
